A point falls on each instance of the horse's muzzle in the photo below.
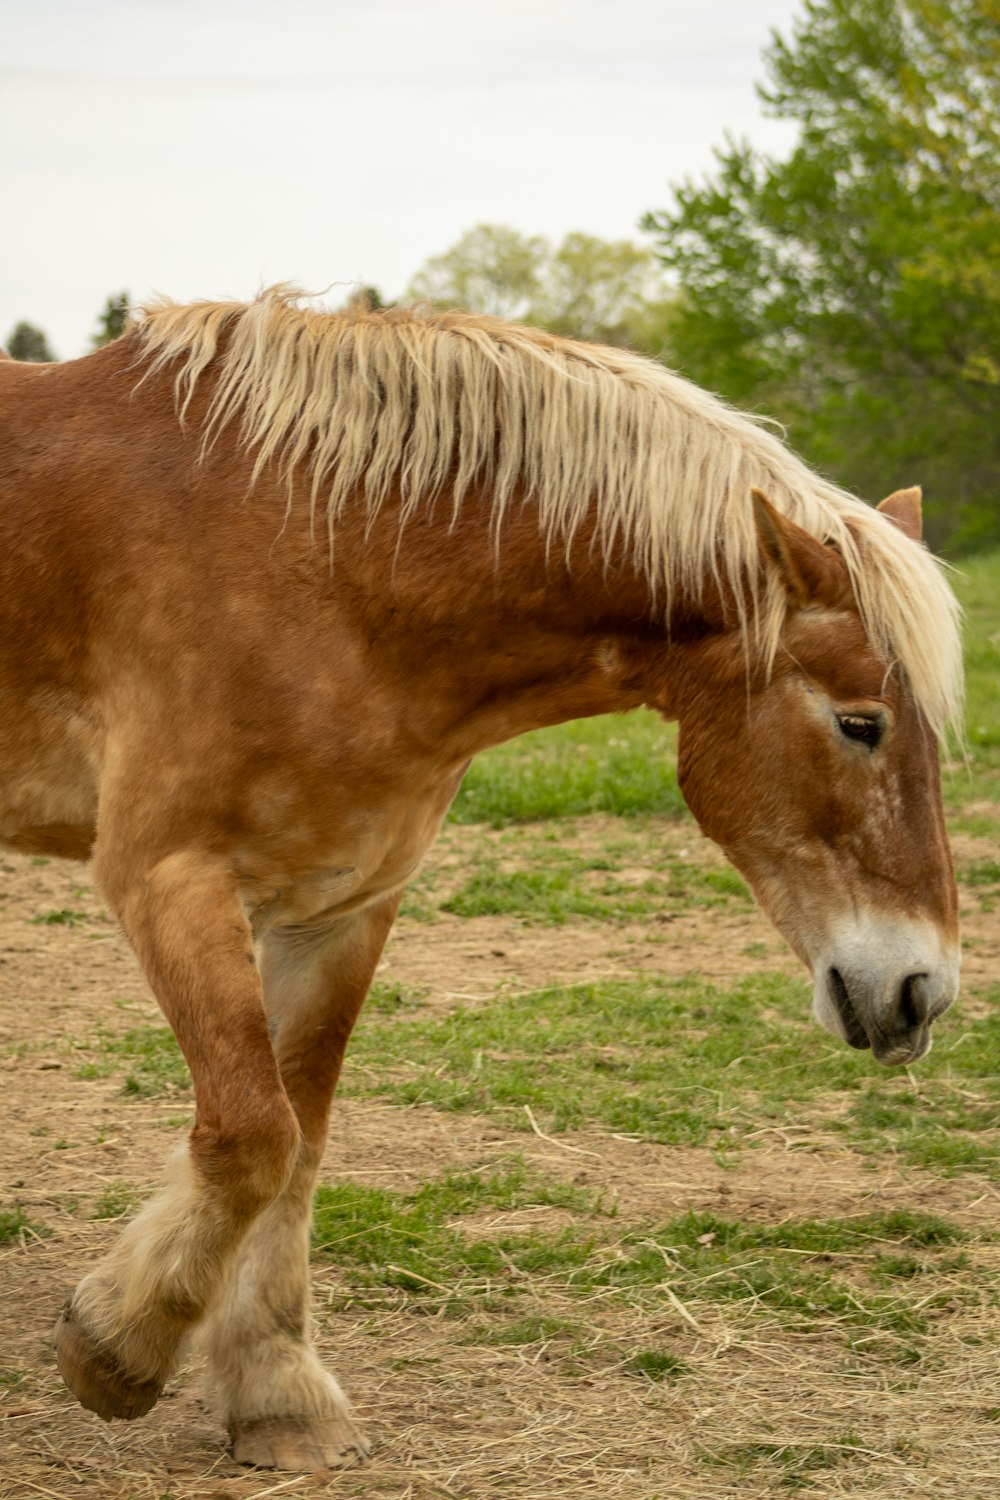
(887, 999)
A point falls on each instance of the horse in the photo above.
(270, 577)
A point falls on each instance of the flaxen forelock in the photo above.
(415, 400)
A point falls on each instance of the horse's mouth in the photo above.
(891, 1049)
(854, 1033)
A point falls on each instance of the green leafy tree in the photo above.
(26, 342)
(854, 288)
(611, 291)
(112, 322)
(491, 269)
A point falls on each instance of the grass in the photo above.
(546, 875)
(14, 1222)
(809, 1275)
(534, 1328)
(622, 764)
(792, 1462)
(390, 999)
(688, 1063)
(588, 888)
(64, 917)
(978, 779)
(408, 1240)
(656, 1364)
(115, 1202)
(150, 1054)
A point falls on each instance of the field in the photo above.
(603, 1212)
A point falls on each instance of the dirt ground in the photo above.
(448, 1418)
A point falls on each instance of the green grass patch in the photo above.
(620, 763)
(116, 1200)
(97, 1068)
(64, 917)
(892, 1267)
(791, 1463)
(808, 1274)
(389, 998)
(544, 896)
(656, 1364)
(817, 1236)
(688, 1063)
(572, 886)
(977, 585)
(788, 1271)
(677, 1061)
(13, 1221)
(535, 1328)
(410, 1240)
(150, 1055)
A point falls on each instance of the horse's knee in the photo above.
(248, 1162)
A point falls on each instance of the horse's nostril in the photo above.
(853, 1030)
(913, 1005)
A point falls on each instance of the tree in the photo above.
(855, 286)
(611, 291)
(29, 343)
(365, 299)
(112, 322)
(491, 269)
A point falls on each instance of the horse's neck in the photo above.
(501, 637)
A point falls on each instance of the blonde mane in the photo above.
(421, 402)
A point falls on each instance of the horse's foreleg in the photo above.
(281, 1407)
(120, 1333)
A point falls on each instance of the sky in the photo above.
(204, 148)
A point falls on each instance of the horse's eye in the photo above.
(861, 727)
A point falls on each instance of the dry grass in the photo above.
(758, 1414)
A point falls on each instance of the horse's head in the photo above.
(821, 781)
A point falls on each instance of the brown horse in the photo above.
(269, 577)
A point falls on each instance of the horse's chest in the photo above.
(319, 896)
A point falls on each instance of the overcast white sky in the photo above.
(203, 147)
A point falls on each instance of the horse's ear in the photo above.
(807, 568)
(903, 510)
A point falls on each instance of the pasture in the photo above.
(603, 1212)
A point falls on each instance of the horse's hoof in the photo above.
(95, 1378)
(298, 1443)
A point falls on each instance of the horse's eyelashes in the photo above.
(861, 727)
